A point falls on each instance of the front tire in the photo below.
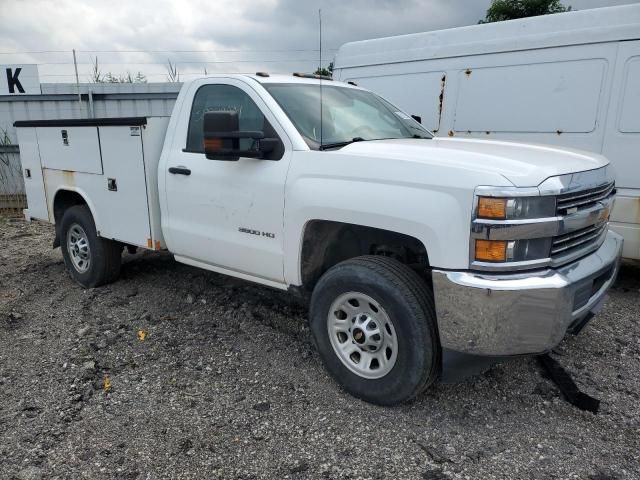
(374, 324)
(90, 260)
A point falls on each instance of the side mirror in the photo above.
(417, 118)
(222, 137)
(268, 145)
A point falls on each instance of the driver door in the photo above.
(228, 214)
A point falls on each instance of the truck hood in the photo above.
(522, 164)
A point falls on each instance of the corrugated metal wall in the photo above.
(60, 101)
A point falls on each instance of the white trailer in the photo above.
(570, 79)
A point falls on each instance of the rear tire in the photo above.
(90, 260)
(374, 324)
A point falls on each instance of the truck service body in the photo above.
(408, 247)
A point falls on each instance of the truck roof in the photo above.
(571, 28)
(277, 78)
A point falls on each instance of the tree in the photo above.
(327, 72)
(98, 77)
(501, 10)
(173, 75)
(124, 78)
(96, 73)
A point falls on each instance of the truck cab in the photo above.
(409, 249)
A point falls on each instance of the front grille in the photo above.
(571, 245)
(577, 240)
(583, 198)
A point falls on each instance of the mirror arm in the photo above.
(256, 135)
(229, 154)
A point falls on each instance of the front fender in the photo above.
(439, 219)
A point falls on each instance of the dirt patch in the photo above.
(173, 372)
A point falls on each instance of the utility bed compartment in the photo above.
(76, 149)
(111, 162)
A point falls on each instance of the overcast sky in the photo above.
(221, 36)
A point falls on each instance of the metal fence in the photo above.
(12, 196)
(66, 101)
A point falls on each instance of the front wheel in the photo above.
(92, 261)
(373, 321)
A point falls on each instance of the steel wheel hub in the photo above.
(362, 335)
(78, 248)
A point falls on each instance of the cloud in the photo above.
(238, 36)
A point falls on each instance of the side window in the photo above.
(221, 98)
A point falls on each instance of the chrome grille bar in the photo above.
(575, 240)
(584, 198)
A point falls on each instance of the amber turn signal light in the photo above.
(489, 207)
(213, 144)
(491, 250)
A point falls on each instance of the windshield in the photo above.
(348, 115)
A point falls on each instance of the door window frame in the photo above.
(253, 96)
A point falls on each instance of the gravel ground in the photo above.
(173, 372)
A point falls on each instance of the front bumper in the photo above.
(523, 313)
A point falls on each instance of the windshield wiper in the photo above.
(326, 146)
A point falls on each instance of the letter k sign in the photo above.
(19, 79)
(13, 82)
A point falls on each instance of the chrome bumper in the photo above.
(523, 313)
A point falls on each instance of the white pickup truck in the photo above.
(412, 251)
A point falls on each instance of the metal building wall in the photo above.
(60, 101)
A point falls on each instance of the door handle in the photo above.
(180, 170)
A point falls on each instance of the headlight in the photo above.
(512, 231)
(517, 208)
(512, 250)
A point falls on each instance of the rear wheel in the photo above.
(374, 324)
(92, 261)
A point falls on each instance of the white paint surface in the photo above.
(418, 187)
